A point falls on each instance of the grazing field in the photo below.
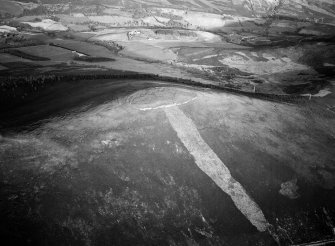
(4, 57)
(50, 52)
(24, 55)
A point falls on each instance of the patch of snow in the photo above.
(209, 56)
(7, 29)
(208, 37)
(321, 93)
(106, 142)
(48, 25)
(204, 20)
(289, 189)
(178, 12)
(78, 54)
(273, 65)
(205, 68)
(162, 19)
(151, 52)
(311, 32)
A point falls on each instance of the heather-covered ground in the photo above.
(94, 150)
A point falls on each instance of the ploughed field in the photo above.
(150, 163)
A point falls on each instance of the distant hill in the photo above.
(319, 11)
(324, 7)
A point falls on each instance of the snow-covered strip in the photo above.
(205, 57)
(210, 163)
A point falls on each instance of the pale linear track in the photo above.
(210, 163)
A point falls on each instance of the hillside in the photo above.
(167, 122)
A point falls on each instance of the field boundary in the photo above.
(34, 82)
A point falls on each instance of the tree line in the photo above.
(35, 82)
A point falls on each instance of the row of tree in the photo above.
(35, 82)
